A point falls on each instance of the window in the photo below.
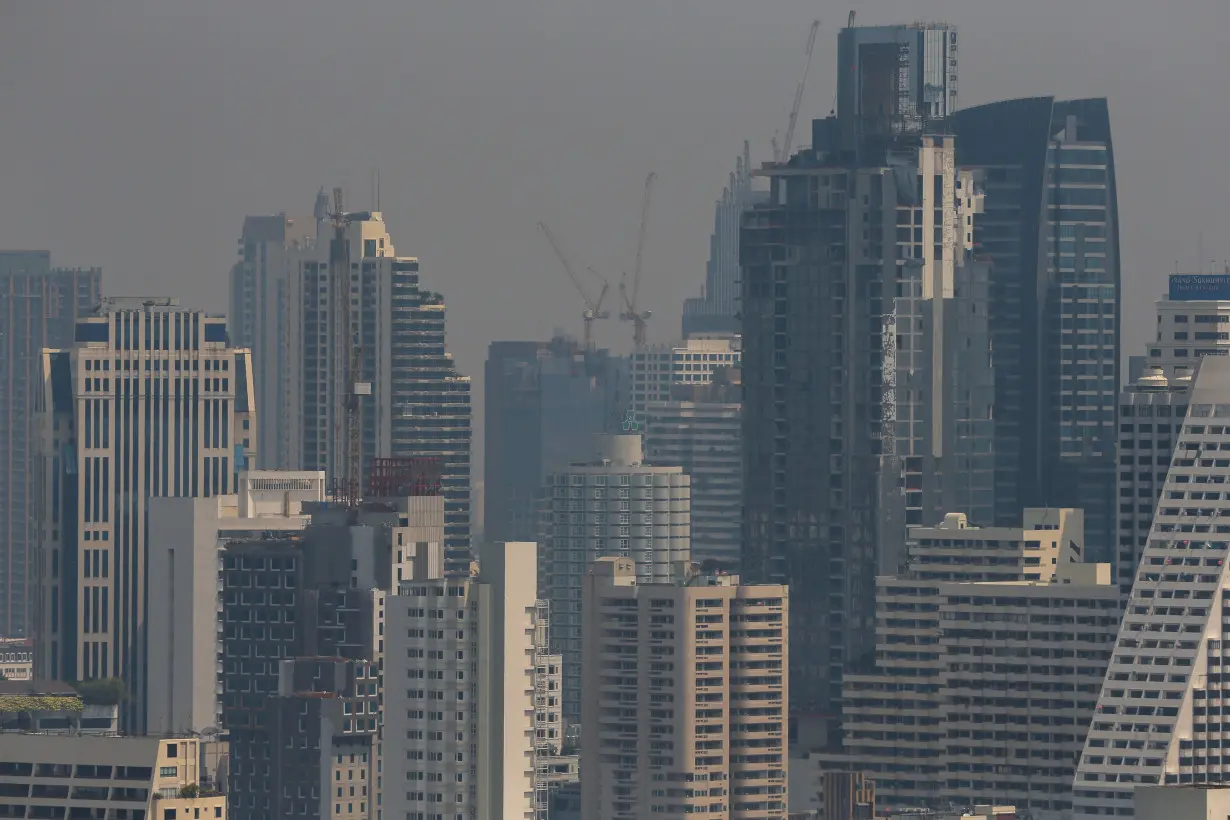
(167, 771)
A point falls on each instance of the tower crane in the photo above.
(593, 307)
(347, 362)
(630, 313)
(781, 152)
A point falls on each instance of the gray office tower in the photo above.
(716, 310)
(39, 305)
(545, 401)
(868, 387)
(1050, 229)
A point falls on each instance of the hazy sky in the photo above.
(136, 135)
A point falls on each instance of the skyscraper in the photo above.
(1050, 229)
(1191, 324)
(545, 402)
(1159, 714)
(39, 305)
(866, 402)
(259, 316)
(612, 504)
(418, 404)
(150, 401)
(717, 308)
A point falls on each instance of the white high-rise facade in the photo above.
(613, 505)
(655, 368)
(418, 406)
(151, 401)
(459, 692)
(701, 430)
(1192, 322)
(990, 648)
(1158, 718)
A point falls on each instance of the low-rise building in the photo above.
(66, 775)
(17, 659)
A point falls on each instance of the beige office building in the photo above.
(151, 401)
(684, 697)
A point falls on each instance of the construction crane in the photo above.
(630, 313)
(781, 153)
(347, 363)
(593, 307)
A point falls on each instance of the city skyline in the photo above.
(717, 57)
(895, 512)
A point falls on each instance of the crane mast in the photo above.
(347, 363)
(630, 313)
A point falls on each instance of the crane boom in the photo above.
(783, 152)
(593, 309)
(640, 237)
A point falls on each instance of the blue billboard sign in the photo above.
(1190, 287)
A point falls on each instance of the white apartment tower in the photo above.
(655, 368)
(459, 692)
(1192, 322)
(151, 401)
(685, 699)
(613, 505)
(1158, 718)
(419, 406)
(701, 430)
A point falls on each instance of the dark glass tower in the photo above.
(1050, 228)
(863, 410)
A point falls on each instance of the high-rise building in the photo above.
(418, 405)
(684, 706)
(260, 312)
(701, 430)
(656, 367)
(994, 642)
(544, 402)
(1158, 715)
(459, 691)
(716, 310)
(1191, 324)
(1050, 229)
(867, 400)
(614, 504)
(186, 536)
(150, 401)
(39, 307)
(891, 81)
